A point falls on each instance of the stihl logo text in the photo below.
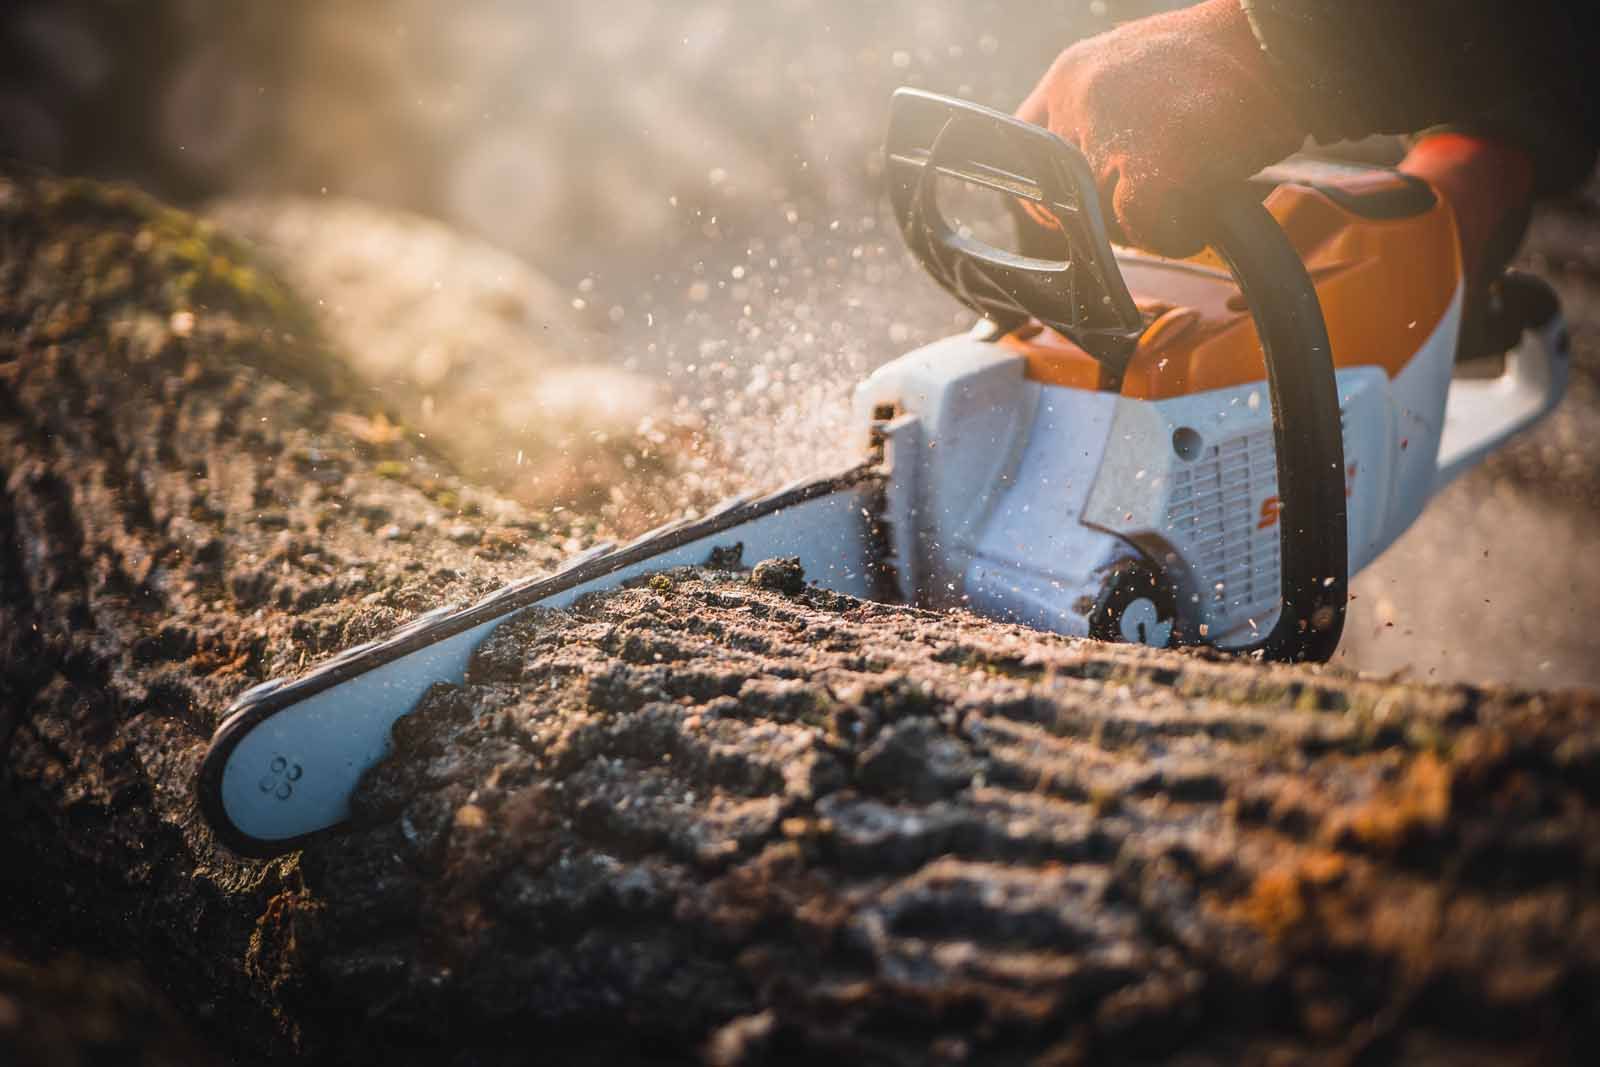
(1272, 507)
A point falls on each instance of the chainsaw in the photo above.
(1126, 447)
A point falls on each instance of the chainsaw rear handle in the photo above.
(1084, 296)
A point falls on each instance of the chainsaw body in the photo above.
(1026, 485)
(1127, 447)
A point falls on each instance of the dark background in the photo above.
(561, 131)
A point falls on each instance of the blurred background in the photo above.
(694, 185)
(579, 136)
(542, 226)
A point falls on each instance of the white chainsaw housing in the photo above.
(1018, 500)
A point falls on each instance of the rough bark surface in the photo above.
(77, 1012)
(706, 817)
(197, 495)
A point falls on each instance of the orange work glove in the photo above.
(1489, 184)
(1168, 109)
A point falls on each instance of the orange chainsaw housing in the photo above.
(1385, 276)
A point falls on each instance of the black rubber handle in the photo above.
(1313, 520)
(1084, 296)
(1080, 292)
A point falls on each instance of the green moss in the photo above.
(994, 666)
(1428, 737)
(1104, 800)
(113, 250)
(1309, 698)
(818, 710)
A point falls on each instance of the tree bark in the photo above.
(699, 818)
(198, 495)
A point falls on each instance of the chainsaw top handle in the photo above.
(1083, 295)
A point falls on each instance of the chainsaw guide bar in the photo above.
(267, 784)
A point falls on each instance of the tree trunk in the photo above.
(699, 818)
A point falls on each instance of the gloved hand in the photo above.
(1168, 109)
(1489, 184)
